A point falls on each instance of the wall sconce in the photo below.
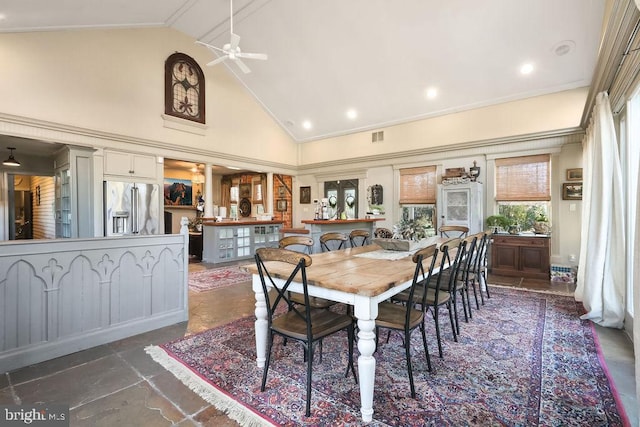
(11, 161)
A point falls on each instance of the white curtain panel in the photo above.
(601, 271)
(636, 297)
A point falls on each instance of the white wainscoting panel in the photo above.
(65, 295)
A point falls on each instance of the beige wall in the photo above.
(561, 110)
(113, 81)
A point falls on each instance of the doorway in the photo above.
(342, 197)
(30, 208)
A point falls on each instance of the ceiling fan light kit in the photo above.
(232, 49)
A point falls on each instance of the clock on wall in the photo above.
(244, 207)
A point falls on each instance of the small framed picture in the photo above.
(281, 205)
(245, 191)
(305, 195)
(574, 174)
(281, 191)
(572, 191)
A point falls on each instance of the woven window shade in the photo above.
(418, 185)
(521, 179)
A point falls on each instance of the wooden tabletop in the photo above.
(344, 271)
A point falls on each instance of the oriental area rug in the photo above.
(525, 359)
(206, 280)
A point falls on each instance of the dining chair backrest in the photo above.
(453, 252)
(481, 245)
(358, 237)
(383, 233)
(333, 241)
(298, 262)
(421, 276)
(302, 244)
(469, 257)
(453, 231)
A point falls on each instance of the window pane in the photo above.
(523, 215)
(424, 214)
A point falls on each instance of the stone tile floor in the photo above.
(118, 384)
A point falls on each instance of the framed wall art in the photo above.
(574, 174)
(281, 205)
(177, 192)
(572, 191)
(305, 195)
(245, 191)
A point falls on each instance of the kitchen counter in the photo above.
(318, 227)
(340, 221)
(230, 223)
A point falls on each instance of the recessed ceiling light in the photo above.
(432, 92)
(526, 68)
(3, 16)
(352, 114)
(306, 124)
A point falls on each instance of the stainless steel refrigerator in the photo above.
(131, 208)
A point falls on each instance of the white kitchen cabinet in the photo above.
(131, 165)
(232, 241)
(461, 204)
(73, 190)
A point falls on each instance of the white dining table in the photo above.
(348, 276)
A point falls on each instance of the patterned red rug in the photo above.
(206, 280)
(525, 359)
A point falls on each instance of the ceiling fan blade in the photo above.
(217, 60)
(242, 66)
(261, 56)
(210, 47)
(235, 41)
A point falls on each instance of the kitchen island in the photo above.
(318, 227)
(231, 240)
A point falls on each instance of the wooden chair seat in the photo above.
(323, 323)
(392, 316)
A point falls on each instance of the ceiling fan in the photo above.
(232, 50)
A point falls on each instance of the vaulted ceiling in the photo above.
(377, 59)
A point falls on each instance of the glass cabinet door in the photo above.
(456, 206)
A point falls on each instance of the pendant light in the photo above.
(197, 177)
(11, 161)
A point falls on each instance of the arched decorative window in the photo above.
(184, 88)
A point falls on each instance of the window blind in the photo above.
(520, 179)
(418, 185)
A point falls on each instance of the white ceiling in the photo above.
(375, 56)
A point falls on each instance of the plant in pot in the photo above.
(409, 229)
(541, 224)
(498, 223)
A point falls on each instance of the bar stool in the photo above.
(358, 238)
(332, 241)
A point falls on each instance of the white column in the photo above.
(208, 191)
(268, 194)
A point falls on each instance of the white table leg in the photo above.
(366, 361)
(261, 324)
